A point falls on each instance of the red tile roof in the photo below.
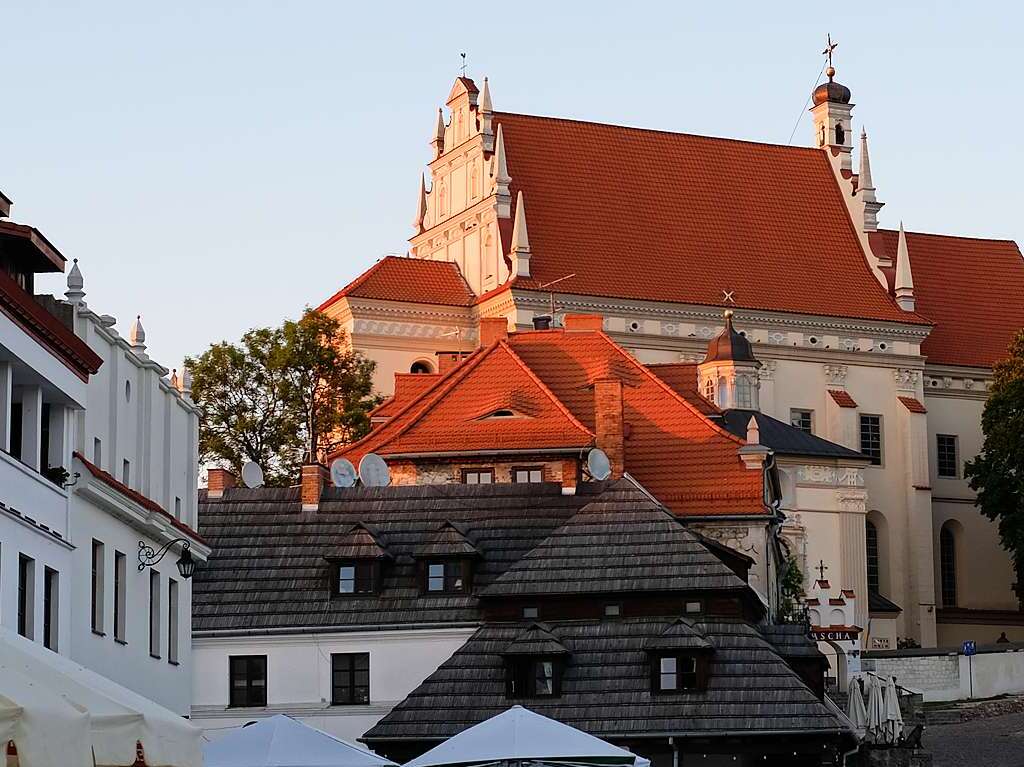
(681, 377)
(842, 398)
(972, 289)
(411, 280)
(688, 462)
(408, 386)
(913, 404)
(138, 497)
(673, 217)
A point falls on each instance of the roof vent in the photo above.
(542, 322)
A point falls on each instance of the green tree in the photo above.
(997, 473)
(791, 584)
(278, 394)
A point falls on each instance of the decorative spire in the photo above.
(866, 191)
(904, 283)
(864, 179)
(186, 381)
(520, 239)
(137, 335)
(438, 141)
(753, 432)
(421, 206)
(485, 99)
(76, 283)
(501, 177)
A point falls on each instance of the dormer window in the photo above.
(357, 577)
(502, 414)
(676, 672)
(680, 658)
(530, 677)
(356, 562)
(447, 576)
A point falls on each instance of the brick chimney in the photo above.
(314, 477)
(217, 481)
(569, 477)
(493, 329)
(448, 360)
(609, 424)
(583, 322)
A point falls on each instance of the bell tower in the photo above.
(832, 122)
(728, 375)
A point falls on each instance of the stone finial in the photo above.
(866, 191)
(485, 99)
(75, 292)
(137, 335)
(753, 432)
(904, 283)
(864, 179)
(421, 206)
(520, 240)
(438, 140)
(501, 177)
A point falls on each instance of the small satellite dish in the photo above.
(598, 465)
(252, 474)
(373, 471)
(343, 473)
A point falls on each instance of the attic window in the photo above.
(675, 672)
(357, 577)
(447, 576)
(503, 413)
(533, 677)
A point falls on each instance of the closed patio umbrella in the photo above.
(855, 708)
(893, 715)
(875, 710)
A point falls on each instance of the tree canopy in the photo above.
(997, 473)
(281, 394)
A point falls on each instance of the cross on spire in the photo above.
(829, 47)
(821, 568)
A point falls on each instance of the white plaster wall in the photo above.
(299, 675)
(950, 676)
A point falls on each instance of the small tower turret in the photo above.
(832, 110)
(728, 375)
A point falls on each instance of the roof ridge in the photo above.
(379, 264)
(973, 238)
(354, 283)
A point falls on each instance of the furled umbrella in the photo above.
(855, 708)
(893, 715)
(875, 710)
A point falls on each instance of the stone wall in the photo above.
(926, 673)
(944, 675)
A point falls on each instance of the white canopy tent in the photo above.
(520, 735)
(116, 719)
(280, 741)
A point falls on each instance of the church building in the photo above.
(879, 341)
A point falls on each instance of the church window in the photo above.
(420, 367)
(709, 389)
(840, 134)
(802, 420)
(871, 545)
(947, 566)
(871, 438)
(744, 393)
(947, 463)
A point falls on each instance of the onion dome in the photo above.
(729, 345)
(831, 91)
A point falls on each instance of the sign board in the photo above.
(835, 635)
(969, 647)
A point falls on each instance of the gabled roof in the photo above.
(621, 542)
(785, 439)
(681, 635)
(536, 639)
(970, 288)
(449, 540)
(791, 640)
(410, 280)
(606, 689)
(408, 386)
(642, 214)
(360, 542)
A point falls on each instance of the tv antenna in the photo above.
(343, 473)
(551, 293)
(252, 474)
(373, 471)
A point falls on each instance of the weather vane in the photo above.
(831, 46)
(463, 64)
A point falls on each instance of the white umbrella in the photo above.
(855, 708)
(519, 734)
(875, 710)
(893, 715)
(280, 741)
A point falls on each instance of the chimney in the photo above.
(313, 480)
(217, 481)
(583, 322)
(542, 322)
(493, 329)
(447, 361)
(570, 473)
(608, 423)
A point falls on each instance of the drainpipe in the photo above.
(675, 750)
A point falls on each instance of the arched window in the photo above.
(947, 566)
(709, 389)
(871, 544)
(419, 366)
(840, 134)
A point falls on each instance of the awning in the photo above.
(35, 681)
(520, 735)
(280, 741)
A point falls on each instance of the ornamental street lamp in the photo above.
(148, 557)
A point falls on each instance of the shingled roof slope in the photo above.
(411, 280)
(784, 438)
(641, 214)
(606, 687)
(970, 288)
(268, 570)
(620, 542)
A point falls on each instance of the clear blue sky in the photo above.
(216, 166)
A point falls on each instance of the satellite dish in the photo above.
(343, 473)
(252, 474)
(373, 471)
(598, 465)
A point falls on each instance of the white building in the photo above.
(98, 458)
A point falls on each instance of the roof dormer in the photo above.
(446, 559)
(534, 664)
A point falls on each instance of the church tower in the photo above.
(832, 124)
(728, 375)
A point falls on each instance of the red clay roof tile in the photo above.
(913, 404)
(681, 377)
(410, 280)
(842, 398)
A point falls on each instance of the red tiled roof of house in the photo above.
(408, 386)
(411, 280)
(688, 462)
(913, 404)
(663, 216)
(137, 497)
(681, 377)
(842, 398)
(970, 288)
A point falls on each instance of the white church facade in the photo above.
(879, 340)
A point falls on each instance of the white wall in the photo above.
(299, 675)
(947, 675)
